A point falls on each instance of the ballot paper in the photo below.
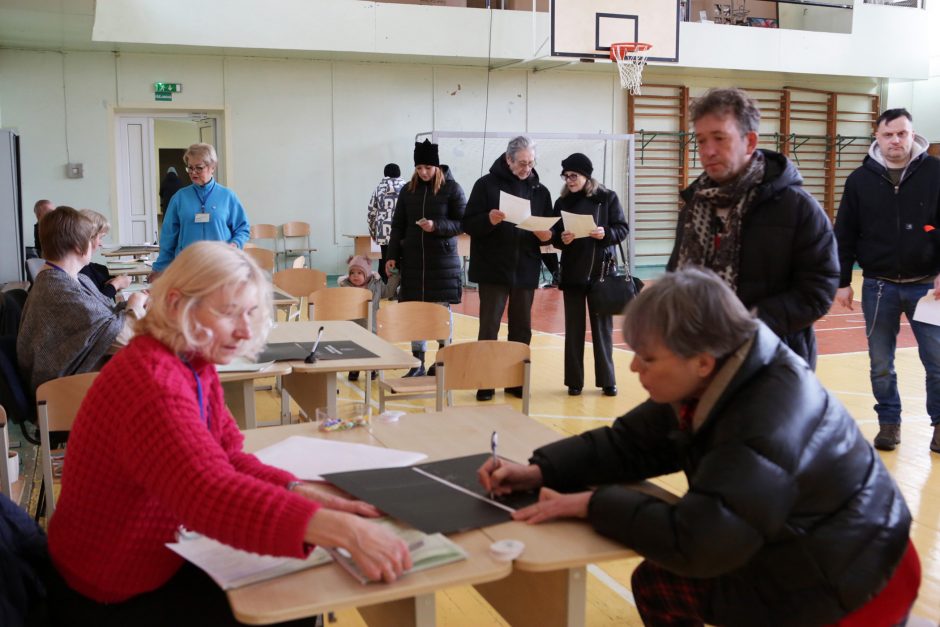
(928, 310)
(309, 458)
(516, 209)
(580, 225)
(536, 223)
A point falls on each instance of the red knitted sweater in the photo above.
(141, 462)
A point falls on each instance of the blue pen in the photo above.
(494, 440)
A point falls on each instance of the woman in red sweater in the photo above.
(154, 448)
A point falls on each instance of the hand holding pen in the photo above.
(494, 459)
(499, 476)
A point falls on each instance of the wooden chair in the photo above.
(410, 321)
(262, 232)
(480, 365)
(293, 231)
(263, 257)
(344, 303)
(299, 283)
(57, 403)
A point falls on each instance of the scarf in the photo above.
(708, 242)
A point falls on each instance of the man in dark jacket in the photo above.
(887, 221)
(748, 218)
(504, 260)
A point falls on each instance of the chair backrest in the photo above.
(412, 321)
(34, 267)
(300, 282)
(296, 229)
(263, 231)
(263, 257)
(483, 364)
(341, 303)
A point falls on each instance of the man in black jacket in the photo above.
(887, 221)
(505, 261)
(748, 218)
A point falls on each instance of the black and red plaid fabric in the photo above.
(668, 600)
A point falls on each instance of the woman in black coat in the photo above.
(582, 260)
(423, 241)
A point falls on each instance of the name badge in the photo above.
(202, 218)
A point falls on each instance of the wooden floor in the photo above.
(843, 368)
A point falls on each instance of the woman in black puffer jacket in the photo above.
(423, 242)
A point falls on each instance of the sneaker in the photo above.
(935, 441)
(889, 436)
(354, 375)
(516, 391)
(485, 395)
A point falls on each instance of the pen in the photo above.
(494, 441)
(312, 357)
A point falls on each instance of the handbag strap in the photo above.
(623, 257)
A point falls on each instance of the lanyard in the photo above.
(202, 414)
(204, 199)
(52, 265)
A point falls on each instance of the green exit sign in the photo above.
(167, 88)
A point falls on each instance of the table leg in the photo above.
(312, 390)
(414, 612)
(548, 599)
(240, 398)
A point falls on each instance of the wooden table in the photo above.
(364, 245)
(140, 250)
(548, 582)
(239, 389)
(138, 269)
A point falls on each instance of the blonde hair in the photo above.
(201, 152)
(102, 226)
(198, 272)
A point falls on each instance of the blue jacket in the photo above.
(227, 221)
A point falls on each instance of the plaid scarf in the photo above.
(719, 248)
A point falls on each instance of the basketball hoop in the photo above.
(630, 58)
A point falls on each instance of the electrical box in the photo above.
(74, 170)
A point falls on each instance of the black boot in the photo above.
(419, 371)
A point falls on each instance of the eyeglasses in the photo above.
(525, 164)
(571, 176)
(198, 169)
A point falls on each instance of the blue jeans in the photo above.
(883, 303)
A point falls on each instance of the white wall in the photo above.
(922, 98)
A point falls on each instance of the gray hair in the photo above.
(691, 311)
(728, 101)
(519, 143)
(201, 152)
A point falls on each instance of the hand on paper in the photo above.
(554, 505)
(508, 476)
(496, 216)
(844, 297)
(379, 553)
(597, 233)
(334, 501)
(426, 225)
(544, 236)
(567, 237)
(120, 282)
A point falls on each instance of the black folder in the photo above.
(326, 351)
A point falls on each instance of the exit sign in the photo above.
(163, 96)
(167, 88)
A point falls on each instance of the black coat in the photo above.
(883, 228)
(504, 254)
(583, 258)
(170, 185)
(789, 510)
(100, 276)
(789, 268)
(428, 262)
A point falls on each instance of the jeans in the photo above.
(883, 303)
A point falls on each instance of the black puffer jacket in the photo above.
(428, 262)
(504, 254)
(789, 267)
(583, 258)
(789, 509)
(882, 227)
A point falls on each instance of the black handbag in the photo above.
(613, 290)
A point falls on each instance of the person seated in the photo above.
(41, 208)
(99, 273)
(154, 449)
(68, 326)
(790, 517)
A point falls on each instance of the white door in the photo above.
(208, 135)
(137, 212)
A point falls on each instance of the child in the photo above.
(360, 274)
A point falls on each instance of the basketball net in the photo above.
(630, 59)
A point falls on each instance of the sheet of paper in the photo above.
(310, 458)
(535, 223)
(233, 568)
(374, 246)
(516, 209)
(580, 225)
(928, 310)
(242, 365)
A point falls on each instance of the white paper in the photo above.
(580, 225)
(374, 246)
(516, 209)
(310, 458)
(928, 310)
(536, 223)
(233, 568)
(242, 365)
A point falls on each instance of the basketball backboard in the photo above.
(586, 28)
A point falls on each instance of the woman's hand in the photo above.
(379, 553)
(389, 266)
(508, 477)
(426, 225)
(567, 237)
(544, 236)
(336, 502)
(597, 233)
(120, 282)
(496, 216)
(554, 505)
(138, 302)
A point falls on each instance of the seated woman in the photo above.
(154, 449)
(68, 325)
(790, 517)
(98, 273)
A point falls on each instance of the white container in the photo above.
(13, 466)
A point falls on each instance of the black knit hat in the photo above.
(578, 163)
(426, 153)
(392, 171)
